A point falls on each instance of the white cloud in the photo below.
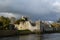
(56, 6)
(7, 14)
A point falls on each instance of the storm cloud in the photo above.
(36, 9)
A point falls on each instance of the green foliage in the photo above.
(17, 22)
(23, 32)
(3, 22)
(21, 20)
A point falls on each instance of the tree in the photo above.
(23, 19)
(4, 21)
(17, 21)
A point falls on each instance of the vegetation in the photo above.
(21, 20)
(22, 32)
(4, 21)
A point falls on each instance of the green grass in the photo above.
(23, 32)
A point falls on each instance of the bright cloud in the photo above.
(56, 6)
(7, 14)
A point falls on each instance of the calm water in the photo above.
(54, 36)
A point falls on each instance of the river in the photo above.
(53, 36)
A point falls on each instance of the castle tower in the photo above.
(38, 25)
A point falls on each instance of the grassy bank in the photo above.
(23, 32)
(5, 33)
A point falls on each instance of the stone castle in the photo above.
(28, 25)
(33, 26)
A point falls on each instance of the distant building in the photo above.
(45, 26)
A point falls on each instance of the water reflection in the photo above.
(24, 37)
(30, 37)
(10, 38)
(54, 36)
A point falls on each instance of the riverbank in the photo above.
(4, 33)
(23, 32)
(49, 32)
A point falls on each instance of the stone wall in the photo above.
(27, 25)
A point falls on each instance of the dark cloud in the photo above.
(43, 9)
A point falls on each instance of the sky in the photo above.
(34, 9)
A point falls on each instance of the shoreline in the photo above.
(8, 33)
